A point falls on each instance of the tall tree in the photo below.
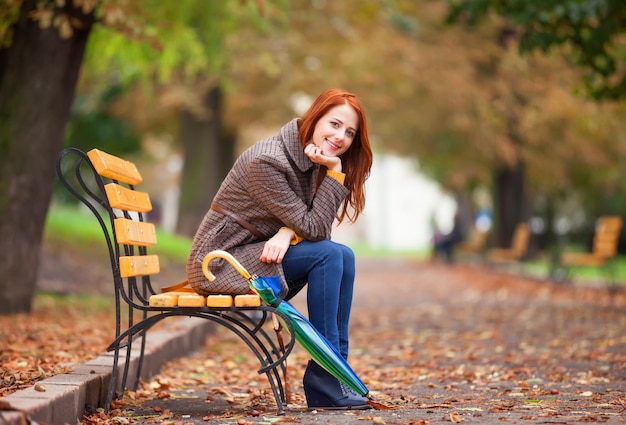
(209, 153)
(592, 30)
(42, 45)
(39, 68)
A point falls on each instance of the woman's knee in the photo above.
(348, 254)
(336, 251)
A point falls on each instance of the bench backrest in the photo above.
(130, 229)
(106, 185)
(521, 237)
(476, 241)
(606, 236)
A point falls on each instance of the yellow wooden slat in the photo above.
(609, 224)
(126, 199)
(129, 232)
(520, 238)
(219, 301)
(169, 299)
(114, 168)
(606, 238)
(251, 300)
(605, 248)
(579, 259)
(139, 265)
(191, 300)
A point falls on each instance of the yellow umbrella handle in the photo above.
(228, 257)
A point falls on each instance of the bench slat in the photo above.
(219, 301)
(582, 259)
(605, 248)
(139, 265)
(191, 300)
(168, 299)
(113, 167)
(610, 224)
(606, 238)
(127, 200)
(248, 300)
(137, 233)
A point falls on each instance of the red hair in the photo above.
(357, 160)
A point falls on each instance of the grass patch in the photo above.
(52, 301)
(72, 224)
(363, 250)
(541, 267)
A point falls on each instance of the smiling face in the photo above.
(335, 131)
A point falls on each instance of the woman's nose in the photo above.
(340, 134)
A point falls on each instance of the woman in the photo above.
(274, 212)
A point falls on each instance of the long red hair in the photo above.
(357, 160)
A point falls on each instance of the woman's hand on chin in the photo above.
(316, 155)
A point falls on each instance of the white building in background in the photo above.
(400, 207)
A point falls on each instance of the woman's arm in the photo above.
(272, 191)
(276, 247)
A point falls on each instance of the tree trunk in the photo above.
(38, 75)
(208, 157)
(511, 205)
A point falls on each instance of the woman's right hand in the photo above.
(276, 247)
(316, 155)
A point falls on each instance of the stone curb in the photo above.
(66, 395)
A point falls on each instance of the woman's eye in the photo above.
(350, 133)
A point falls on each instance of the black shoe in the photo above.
(324, 391)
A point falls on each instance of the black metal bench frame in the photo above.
(78, 175)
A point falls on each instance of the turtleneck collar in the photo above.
(289, 134)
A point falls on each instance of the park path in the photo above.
(441, 344)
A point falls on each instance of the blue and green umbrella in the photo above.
(320, 350)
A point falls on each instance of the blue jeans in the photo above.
(329, 269)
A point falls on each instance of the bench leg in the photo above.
(112, 383)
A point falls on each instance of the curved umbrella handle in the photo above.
(226, 256)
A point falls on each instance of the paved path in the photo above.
(441, 345)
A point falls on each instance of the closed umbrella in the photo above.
(325, 354)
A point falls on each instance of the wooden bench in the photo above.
(474, 245)
(516, 252)
(106, 185)
(603, 251)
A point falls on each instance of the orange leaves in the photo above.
(455, 418)
(61, 15)
(43, 16)
(54, 14)
(447, 345)
(86, 6)
(50, 340)
(113, 14)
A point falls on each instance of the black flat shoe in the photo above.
(325, 392)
